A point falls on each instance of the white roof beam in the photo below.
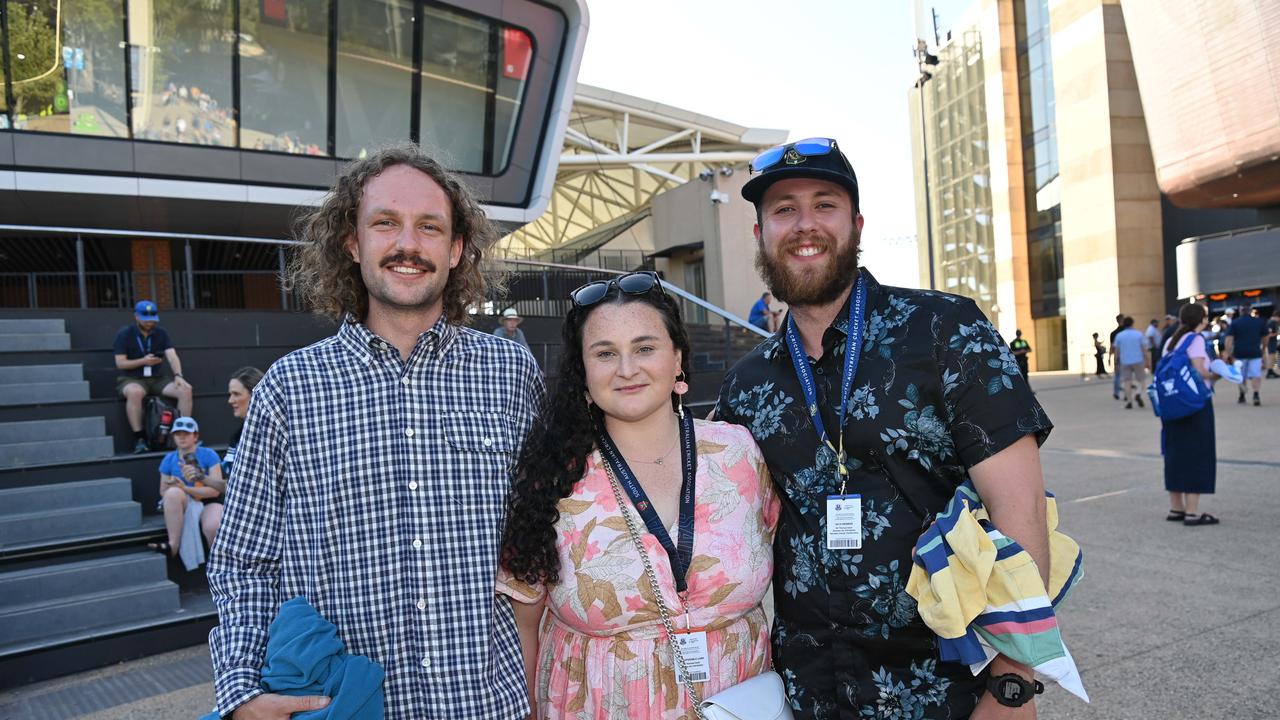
(615, 160)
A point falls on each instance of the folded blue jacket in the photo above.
(306, 657)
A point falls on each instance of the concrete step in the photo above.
(88, 610)
(30, 342)
(44, 430)
(24, 374)
(65, 496)
(26, 528)
(56, 451)
(58, 580)
(41, 393)
(32, 326)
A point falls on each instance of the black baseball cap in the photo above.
(818, 158)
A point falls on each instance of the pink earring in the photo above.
(680, 388)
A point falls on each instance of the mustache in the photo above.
(405, 259)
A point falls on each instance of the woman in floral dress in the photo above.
(601, 650)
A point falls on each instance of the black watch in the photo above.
(1013, 690)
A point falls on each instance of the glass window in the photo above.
(68, 67)
(375, 74)
(284, 76)
(473, 76)
(180, 61)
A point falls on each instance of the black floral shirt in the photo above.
(936, 392)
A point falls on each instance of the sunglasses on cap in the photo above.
(634, 283)
(810, 147)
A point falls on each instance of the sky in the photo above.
(827, 68)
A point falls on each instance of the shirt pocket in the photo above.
(481, 449)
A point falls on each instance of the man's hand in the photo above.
(277, 707)
(990, 709)
(152, 360)
(181, 382)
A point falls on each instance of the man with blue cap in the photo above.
(871, 405)
(142, 348)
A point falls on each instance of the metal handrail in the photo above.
(666, 284)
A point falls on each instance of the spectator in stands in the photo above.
(191, 485)
(763, 315)
(239, 388)
(140, 350)
(509, 328)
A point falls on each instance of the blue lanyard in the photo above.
(852, 350)
(146, 349)
(682, 556)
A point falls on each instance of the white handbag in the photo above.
(762, 697)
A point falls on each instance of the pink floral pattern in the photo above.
(602, 650)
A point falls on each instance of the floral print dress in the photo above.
(602, 650)
(936, 392)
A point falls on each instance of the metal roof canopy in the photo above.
(619, 152)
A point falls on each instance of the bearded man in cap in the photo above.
(896, 396)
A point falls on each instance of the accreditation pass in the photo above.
(844, 522)
(693, 646)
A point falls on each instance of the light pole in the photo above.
(924, 61)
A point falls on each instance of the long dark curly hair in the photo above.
(329, 280)
(555, 454)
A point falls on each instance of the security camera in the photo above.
(706, 175)
(726, 171)
(719, 198)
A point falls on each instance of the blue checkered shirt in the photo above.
(376, 488)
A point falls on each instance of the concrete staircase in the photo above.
(44, 442)
(39, 515)
(34, 335)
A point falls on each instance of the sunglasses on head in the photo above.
(810, 147)
(635, 283)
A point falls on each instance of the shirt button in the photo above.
(404, 380)
(417, 543)
(426, 662)
(818, 370)
(413, 484)
(487, 442)
(408, 432)
(422, 604)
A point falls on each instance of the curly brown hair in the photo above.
(329, 281)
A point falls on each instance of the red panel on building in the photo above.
(517, 52)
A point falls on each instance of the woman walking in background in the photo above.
(1099, 355)
(1189, 445)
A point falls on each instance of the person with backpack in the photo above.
(1187, 440)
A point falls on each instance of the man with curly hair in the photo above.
(374, 465)
(871, 405)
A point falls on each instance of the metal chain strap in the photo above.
(694, 695)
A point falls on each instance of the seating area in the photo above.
(78, 586)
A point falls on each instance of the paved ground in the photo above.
(1170, 621)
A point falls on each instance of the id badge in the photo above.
(146, 371)
(693, 646)
(844, 522)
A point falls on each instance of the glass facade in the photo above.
(959, 172)
(1040, 158)
(1040, 169)
(284, 88)
(316, 77)
(68, 67)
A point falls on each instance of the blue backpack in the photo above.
(1178, 390)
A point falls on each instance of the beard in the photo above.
(814, 286)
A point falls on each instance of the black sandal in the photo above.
(162, 546)
(1176, 515)
(1201, 519)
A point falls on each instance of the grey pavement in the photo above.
(1169, 621)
